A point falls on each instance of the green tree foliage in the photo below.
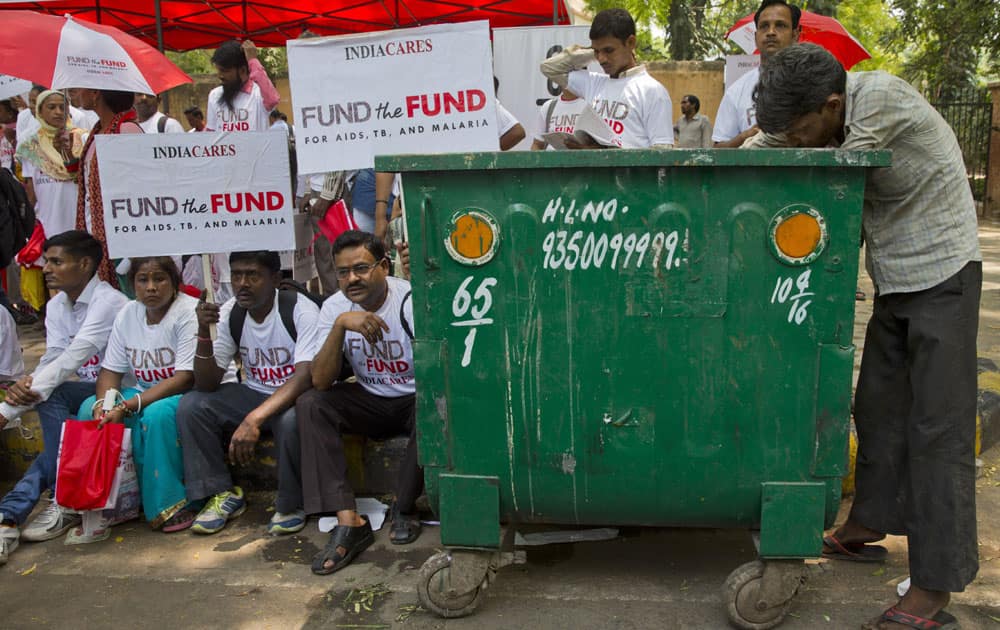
(945, 47)
(949, 45)
(274, 60)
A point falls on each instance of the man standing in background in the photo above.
(693, 130)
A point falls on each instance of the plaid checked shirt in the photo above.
(919, 220)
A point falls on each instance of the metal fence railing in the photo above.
(969, 116)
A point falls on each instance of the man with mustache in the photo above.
(275, 334)
(777, 25)
(369, 321)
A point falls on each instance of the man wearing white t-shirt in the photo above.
(275, 334)
(78, 324)
(635, 106)
(11, 359)
(246, 96)
(370, 323)
(777, 25)
(558, 114)
(151, 119)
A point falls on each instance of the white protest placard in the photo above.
(414, 90)
(12, 86)
(517, 53)
(300, 260)
(178, 193)
(738, 65)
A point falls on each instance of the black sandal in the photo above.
(353, 540)
(405, 527)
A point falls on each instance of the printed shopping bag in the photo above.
(124, 500)
(87, 463)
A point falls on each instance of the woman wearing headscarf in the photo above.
(50, 159)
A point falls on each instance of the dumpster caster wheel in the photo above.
(758, 595)
(451, 584)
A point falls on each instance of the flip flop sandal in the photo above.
(353, 540)
(183, 519)
(854, 552)
(405, 528)
(941, 621)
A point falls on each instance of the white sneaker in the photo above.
(8, 542)
(52, 522)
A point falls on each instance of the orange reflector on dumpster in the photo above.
(474, 237)
(798, 234)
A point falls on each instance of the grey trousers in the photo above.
(206, 422)
(915, 410)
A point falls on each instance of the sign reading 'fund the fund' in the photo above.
(171, 194)
(419, 90)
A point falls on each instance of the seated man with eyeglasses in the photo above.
(275, 334)
(369, 323)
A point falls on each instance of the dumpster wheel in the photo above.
(437, 586)
(742, 593)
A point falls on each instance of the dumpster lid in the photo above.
(632, 157)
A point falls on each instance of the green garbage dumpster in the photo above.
(656, 338)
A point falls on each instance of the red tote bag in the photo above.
(88, 458)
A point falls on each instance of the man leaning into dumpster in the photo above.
(369, 321)
(634, 105)
(915, 406)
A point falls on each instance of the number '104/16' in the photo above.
(580, 250)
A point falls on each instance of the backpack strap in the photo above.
(402, 318)
(161, 124)
(237, 317)
(286, 310)
(548, 114)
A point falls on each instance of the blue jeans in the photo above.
(41, 476)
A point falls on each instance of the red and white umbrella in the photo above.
(819, 29)
(61, 52)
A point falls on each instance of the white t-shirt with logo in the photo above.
(636, 106)
(153, 352)
(55, 206)
(562, 119)
(248, 112)
(736, 112)
(385, 368)
(269, 353)
(151, 125)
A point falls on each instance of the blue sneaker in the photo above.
(219, 509)
(289, 523)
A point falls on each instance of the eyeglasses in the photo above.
(359, 270)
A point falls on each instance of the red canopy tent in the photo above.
(189, 24)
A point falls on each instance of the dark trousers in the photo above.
(206, 421)
(349, 408)
(915, 410)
